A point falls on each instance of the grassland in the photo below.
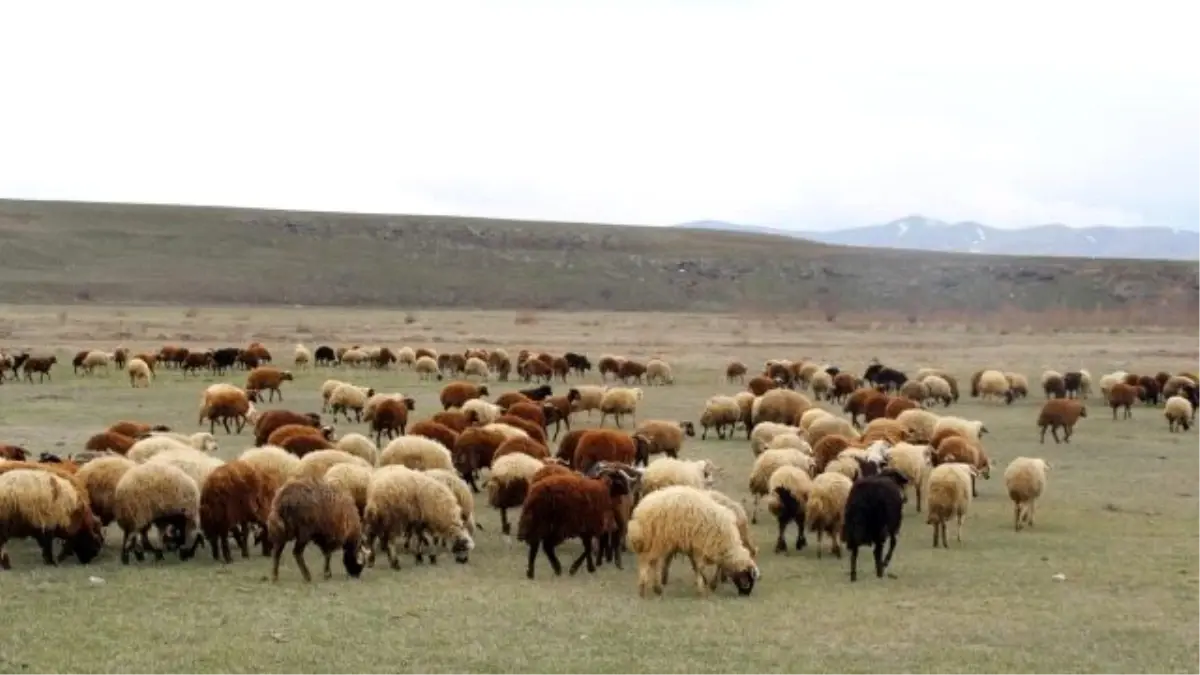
(1119, 520)
(57, 252)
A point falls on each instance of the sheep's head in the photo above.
(573, 395)
(744, 574)
(689, 429)
(354, 557)
(327, 432)
(483, 391)
(461, 548)
(410, 403)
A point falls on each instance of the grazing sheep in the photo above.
(993, 384)
(307, 510)
(884, 429)
(765, 465)
(597, 445)
(40, 365)
(273, 419)
(477, 367)
(949, 497)
(479, 411)
(666, 436)
(1178, 412)
(919, 423)
(316, 463)
(1173, 386)
(353, 479)
(100, 477)
(913, 462)
(831, 426)
(1025, 479)
(283, 434)
(304, 445)
(135, 430)
(462, 494)
(426, 368)
(824, 508)
(782, 406)
(941, 388)
(346, 397)
(268, 378)
(1060, 413)
(682, 519)
(721, 413)
(874, 512)
(568, 445)
(403, 501)
(193, 462)
(417, 453)
(619, 401)
(667, 471)
(139, 372)
(1122, 395)
(474, 450)
(278, 464)
(967, 451)
(509, 482)
(787, 494)
(915, 391)
(739, 514)
(47, 506)
(359, 446)
(566, 506)
(234, 497)
(146, 448)
(1018, 384)
(157, 494)
(456, 394)
(658, 372)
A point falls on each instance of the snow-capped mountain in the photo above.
(927, 234)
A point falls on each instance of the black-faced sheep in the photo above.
(311, 510)
(874, 511)
(45, 505)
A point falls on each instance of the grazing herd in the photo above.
(410, 482)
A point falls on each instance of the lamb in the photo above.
(596, 445)
(508, 483)
(1060, 413)
(565, 506)
(668, 471)
(46, 505)
(619, 401)
(347, 397)
(222, 402)
(403, 501)
(1025, 479)
(456, 394)
(1178, 412)
(268, 378)
(682, 519)
(949, 497)
(919, 423)
(418, 453)
(824, 509)
(234, 497)
(1122, 395)
(765, 465)
(110, 441)
(359, 446)
(783, 406)
(666, 436)
(307, 510)
(721, 413)
(993, 384)
(139, 372)
(100, 477)
(157, 494)
(973, 429)
(351, 478)
(316, 463)
(658, 372)
(788, 490)
(874, 512)
(426, 368)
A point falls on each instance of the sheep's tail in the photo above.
(635, 537)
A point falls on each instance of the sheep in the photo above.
(307, 510)
(508, 483)
(273, 419)
(830, 426)
(682, 519)
(1053, 385)
(993, 384)
(949, 497)
(941, 387)
(531, 412)
(354, 357)
(568, 445)
(359, 446)
(765, 432)
(1178, 412)
(558, 409)
(283, 434)
(477, 367)
(403, 501)
(233, 497)
(973, 429)
(426, 368)
(462, 494)
(736, 370)
(1122, 395)
(668, 471)
(1018, 384)
(523, 445)
(305, 444)
(157, 494)
(821, 385)
(884, 429)
(40, 365)
(919, 423)
(222, 402)
(745, 401)
(315, 464)
(874, 512)
(783, 406)
(346, 397)
(787, 494)
(967, 451)
(789, 440)
(827, 449)
(391, 417)
(301, 357)
(913, 462)
(407, 356)
(479, 411)
(658, 372)
(608, 445)
(619, 401)
(666, 436)
(100, 477)
(811, 416)
(1025, 480)
(46, 505)
(135, 429)
(351, 478)
(454, 419)
(193, 462)
(1078, 384)
(1060, 413)
(456, 394)
(278, 464)
(721, 413)
(915, 391)
(109, 441)
(94, 359)
(474, 450)
(824, 508)
(327, 388)
(565, 506)
(1172, 387)
(739, 515)
(146, 448)
(268, 378)
(376, 398)
(139, 372)
(765, 465)
(416, 452)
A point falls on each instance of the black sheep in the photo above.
(325, 356)
(1073, 383)
(874, 510)
(538, 393)
(577, 362)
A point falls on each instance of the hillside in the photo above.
(926, 234)
(55, 252)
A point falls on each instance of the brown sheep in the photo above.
(424, 351)
(1123, 395)
(1060, 413)
(552, 468)
(562, 507)
(897, 406)
(1161, 378)
(273, 419)
(535, 432)
(560, 368)
(77, 362)
(473, 451)
(856, 403)
(312, 510)
(455, 419)
(40, 365)
(558, 409)
(876, 406)
(511, 398)
(761, 384)
(736, 370)
(389, 416)
(528, 411)
(135, 429)
(304, 444)
(526, 446)
(110, 441)
(631, 371)
(150, 359)
(225, 405)
(535, 370)
(196, 361)
(942, 435)
(234, 497)
(538, 393)
(608, 365)
(1054, 387)
(827, 449)
(843, 386)
(268, 378)
(567, 446)
(967, 451)
(258, 351)
(435, 431)
(283, 433)
(610, 445)
(455, 394)
(13, 453)
(1148, 390)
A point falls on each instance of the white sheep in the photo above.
(416, 452)
(658, 372)
(94, 359)
(913, 462)
(619, 401)
(407, 356)
(765, 465)
(919, 423)
(273, 461)
(477, 367)
(993, 384)
(720, 412)
(481, 411)
(765, 432)
(427, 368)
(938, 388)
(144, 449)
(301, 357)
(1025, 479)
(789, 440)
(1178, 412)
(201, 440)
(462, 494)
(192, 462)
(317, 463)
(508, 483)
(327, 390)
(590, 396)
(159, 494)
(821, 384)
(139, 372)
(972, 429)
(666, 471)
(949, 497)
(351, 478)
(355, 357)
(830, 425)
(682, 519)
(811, 416)
(359, 446)
(400, 500)
(347, 397)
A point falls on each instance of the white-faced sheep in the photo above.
(162, 495)
(826, 504)
(619, 401)
(666, 471)
(721, 413)
(140, 372)
(1178, 412)
(949, 497)
(401, 501)
(46, 506)
(1025, 480)
(682, 519)
(874, 512)
(765, 465)
(477, 367)
(658, 372)
(307, 510)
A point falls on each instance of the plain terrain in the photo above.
(1119, 520)
(58, 252)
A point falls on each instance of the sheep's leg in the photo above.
(780, 543)
(958, 529)
(1067, 431)
(1054, 433)
(385, 542)
(880, 565)
(585, 556)
(1016, 517)
(917, 490)
(1043, 435)
(754, 511)
(853, 562)
(835, 543)
(974, 492)
(702, 582)
(298, 554)
(328, 572)
(243, 540)
(126, 545)
(533, 549)
(616, 540)
(936, 532)
(617, 418)
(665, 564)
(548, 549)
(818, 544)
(646, 576)
(603, 416)
(46, 541)
(223, 544)
(504, 526)
(1029, 513)
(891, 549)
(801, 542)
(158, 552)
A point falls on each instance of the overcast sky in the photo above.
(641, 111)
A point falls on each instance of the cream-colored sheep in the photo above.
(407, 356)
(100, 477)
(1178, 412)
(427, 368)
(920, 424)
(327, 388)
(1172, 387)
(355, 357)
(789, 440)
(949, 497)
(619, 401)
(193, 462)
(938, 388)
(682, 519)
(845, 465)
(40, 504)
(811, 416)
(1025, 479)
(400, 500)
(972, 429)
(139, 372)
(765, 465)
(148, 447)
(821, 384)
(915, 390)
(302, 357)
(156, 493)
(1085, 383)
(831, 426)
(273, 461)
(658, 372)
(477, 367)
(481, 411)
(1018, 383)
(808, 373)
(826, 506)
(720, 412)
(95, 359)
(508, 483)
(590, 396)
(347, 397)
(316, 463)
(359, 446)
(914, 463)
(201, 440)
(462, 493)
(507, 430)
(994, 385)
(779, 405)
(765, 432)
(787, 493)
(667, 471)
(417, 453)
(739, 515)
(745, 401)
(351, 478)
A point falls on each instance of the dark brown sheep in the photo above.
(610, 445)
(1054, 387)
(109, 441)
(761, 384)
(273, 419)
(557, 410)
(433, 430)
(560, 368)
(781, 373)
(389, 416)
(77, 361)
(843, 386)
(562, 507)
(40, 365)
(1148, 390)
(234, 497)
(223, 406)
(631, 371)
(312, 510)
(875, 406)
(736, 370)
(608, 366)
(268, 378)
(280, 435)
(856, 403)
(568, 445)
(197, 361)
(511, 398)
(827, 449)
(473, 451)
(1122, 395)
(258, 351)
(1061, 413)
(455, 394)
(528, 411)
(304, 444)
(534, 370)
(13, 453)
(538, 393)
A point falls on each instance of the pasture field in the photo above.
(1119, 520)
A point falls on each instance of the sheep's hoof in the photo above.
(781, 546)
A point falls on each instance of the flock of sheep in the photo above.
(410, 484)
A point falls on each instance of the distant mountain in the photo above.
(927, 234)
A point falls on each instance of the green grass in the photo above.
(1119, 520)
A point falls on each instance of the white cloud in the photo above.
(777, 113)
